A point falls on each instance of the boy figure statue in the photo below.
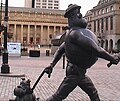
(82, 51)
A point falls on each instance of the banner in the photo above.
(14, 49)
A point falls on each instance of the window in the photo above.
(98, 12)
(107, 0)
(111, 23)
(49, 0)
(38, 3)
(107, 23)
(55, 7)
(94, 26)
(111, 8)
(37, 6)
(55, 4)
(55, 1)
(94, 13)
(102, 25)
(98, 25)
(106, 10)
(102, 11)
(24, 39)
(50, 4)
(44, 0)
(50, 7)
(43, 6)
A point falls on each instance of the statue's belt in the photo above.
(76, 66)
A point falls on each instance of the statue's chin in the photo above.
(80, 23)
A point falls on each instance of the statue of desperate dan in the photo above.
(82, 51)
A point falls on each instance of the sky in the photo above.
(85, 4)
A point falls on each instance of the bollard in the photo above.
(63, 61)
(47, 52)
(34, 53)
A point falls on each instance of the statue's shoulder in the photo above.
(76, 29)
(74, 33)
(86, 31)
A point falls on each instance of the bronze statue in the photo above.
(24, 92)
(82, 51)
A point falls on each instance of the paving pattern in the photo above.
(106, 80)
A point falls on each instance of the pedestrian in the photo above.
(82, 51)
(38, 46)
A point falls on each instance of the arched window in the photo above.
(111, 8)
(110, 45)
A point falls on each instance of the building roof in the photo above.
(104, 3)
(37, 10)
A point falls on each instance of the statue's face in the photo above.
(74, 17)
(75, 13)
(76, 20)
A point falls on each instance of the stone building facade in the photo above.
(32, 25)
(104, 21)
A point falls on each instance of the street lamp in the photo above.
(0, 13)
(5, 67)
(1, 26)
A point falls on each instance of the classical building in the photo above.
(104, 21)
(46, 4)
(32, 25)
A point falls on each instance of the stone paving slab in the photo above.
(106, 80)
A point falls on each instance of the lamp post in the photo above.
(5, 67)
(0, 13)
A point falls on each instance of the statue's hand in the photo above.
(49, 70)
(115, 60)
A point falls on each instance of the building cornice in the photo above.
(104, 5)
(36, 15)
(35, 10)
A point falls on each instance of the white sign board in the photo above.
(14, 49)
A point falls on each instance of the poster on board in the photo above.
(14, 49)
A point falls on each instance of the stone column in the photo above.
(35, 35)
(61, 29)
(28, 35)
(21, 36)
(15, 35)
(41, 34)
(48, 39)
(54, 30)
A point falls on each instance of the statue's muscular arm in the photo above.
(89, 44)
(58, 54)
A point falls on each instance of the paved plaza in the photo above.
(106, 80)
